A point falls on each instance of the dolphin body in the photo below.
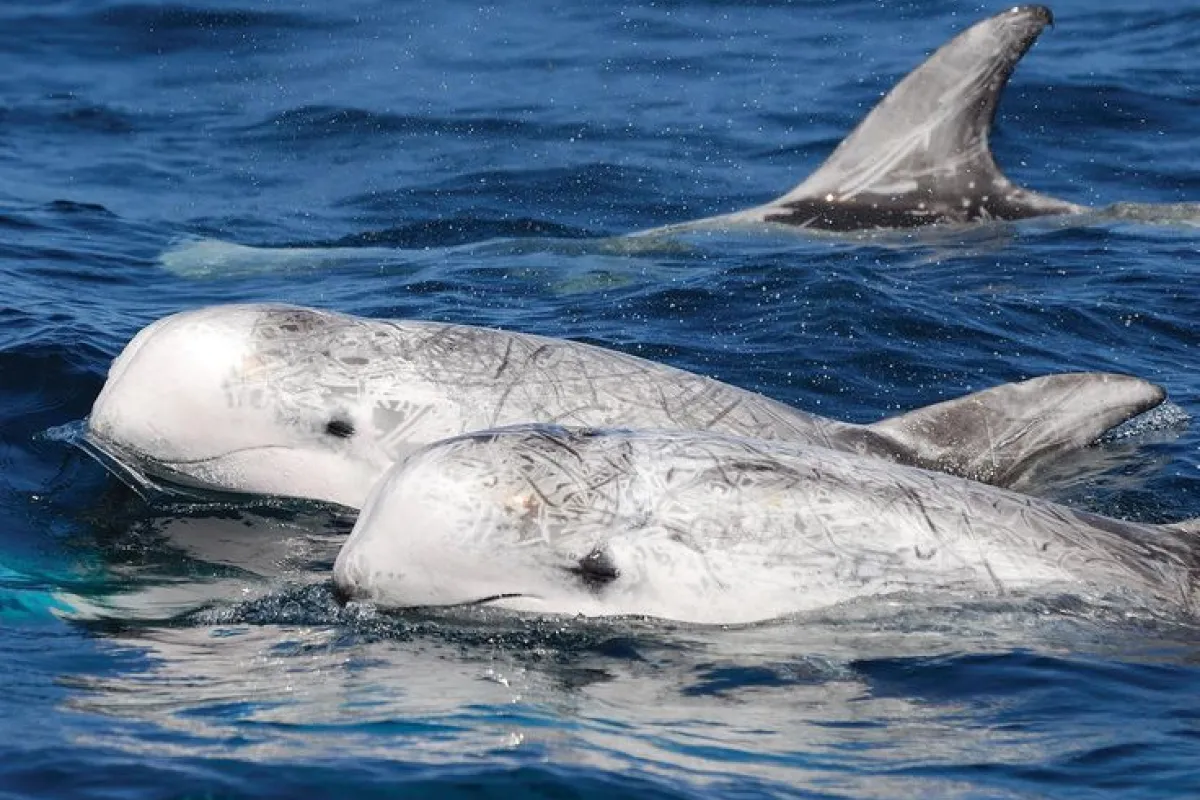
(297, 402)
(701, 527)
(921, 157)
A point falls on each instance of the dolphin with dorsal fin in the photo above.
(921, 157)
(699, 527)
(299, 402)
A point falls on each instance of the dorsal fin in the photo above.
(922, 155)
(999, 435)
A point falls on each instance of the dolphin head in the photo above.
(235, 398)
(548, 519)
(498, 517)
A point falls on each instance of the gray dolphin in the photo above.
(921, 157)
(298, 402)
(701, 527)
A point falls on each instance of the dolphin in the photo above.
(702, 527)
(921, 156)
(298, 402)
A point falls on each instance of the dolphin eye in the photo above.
(595, 569)
(341, 428)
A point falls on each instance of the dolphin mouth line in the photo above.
(345, 596)
(483, 601)
(188, 462)
(146, 475)
(124, 454)
(93, 441)
(120, 463)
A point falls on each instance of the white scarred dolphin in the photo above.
(700, 527)
(297, 402)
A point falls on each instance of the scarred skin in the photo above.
(700, 527)
(298, 402)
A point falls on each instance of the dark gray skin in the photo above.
(921, 157)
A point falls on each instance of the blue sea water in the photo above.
(473, 163)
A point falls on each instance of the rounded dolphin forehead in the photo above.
(285, 336)
(305, 358)
(530, 484)
(193, 346)
(376, 354)
(241, 358)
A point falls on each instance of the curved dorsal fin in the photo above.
(922, 155)
(1002, 434)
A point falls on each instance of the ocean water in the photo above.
(478, 163)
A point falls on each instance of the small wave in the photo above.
(77, 207)
(16, 222)
(68, 114)
(1165, 418)
(153, 29)
(322, 123)
(26, 596)
(168, 18)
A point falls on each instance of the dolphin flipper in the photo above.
(1003, 434)
(922, 156)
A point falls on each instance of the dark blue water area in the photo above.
(480, 164)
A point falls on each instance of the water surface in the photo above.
(473, 164)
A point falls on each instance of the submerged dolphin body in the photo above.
(297, 402)
(921, 157)
(699, 527)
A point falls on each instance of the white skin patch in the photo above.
(703, 528)
(348, 396)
